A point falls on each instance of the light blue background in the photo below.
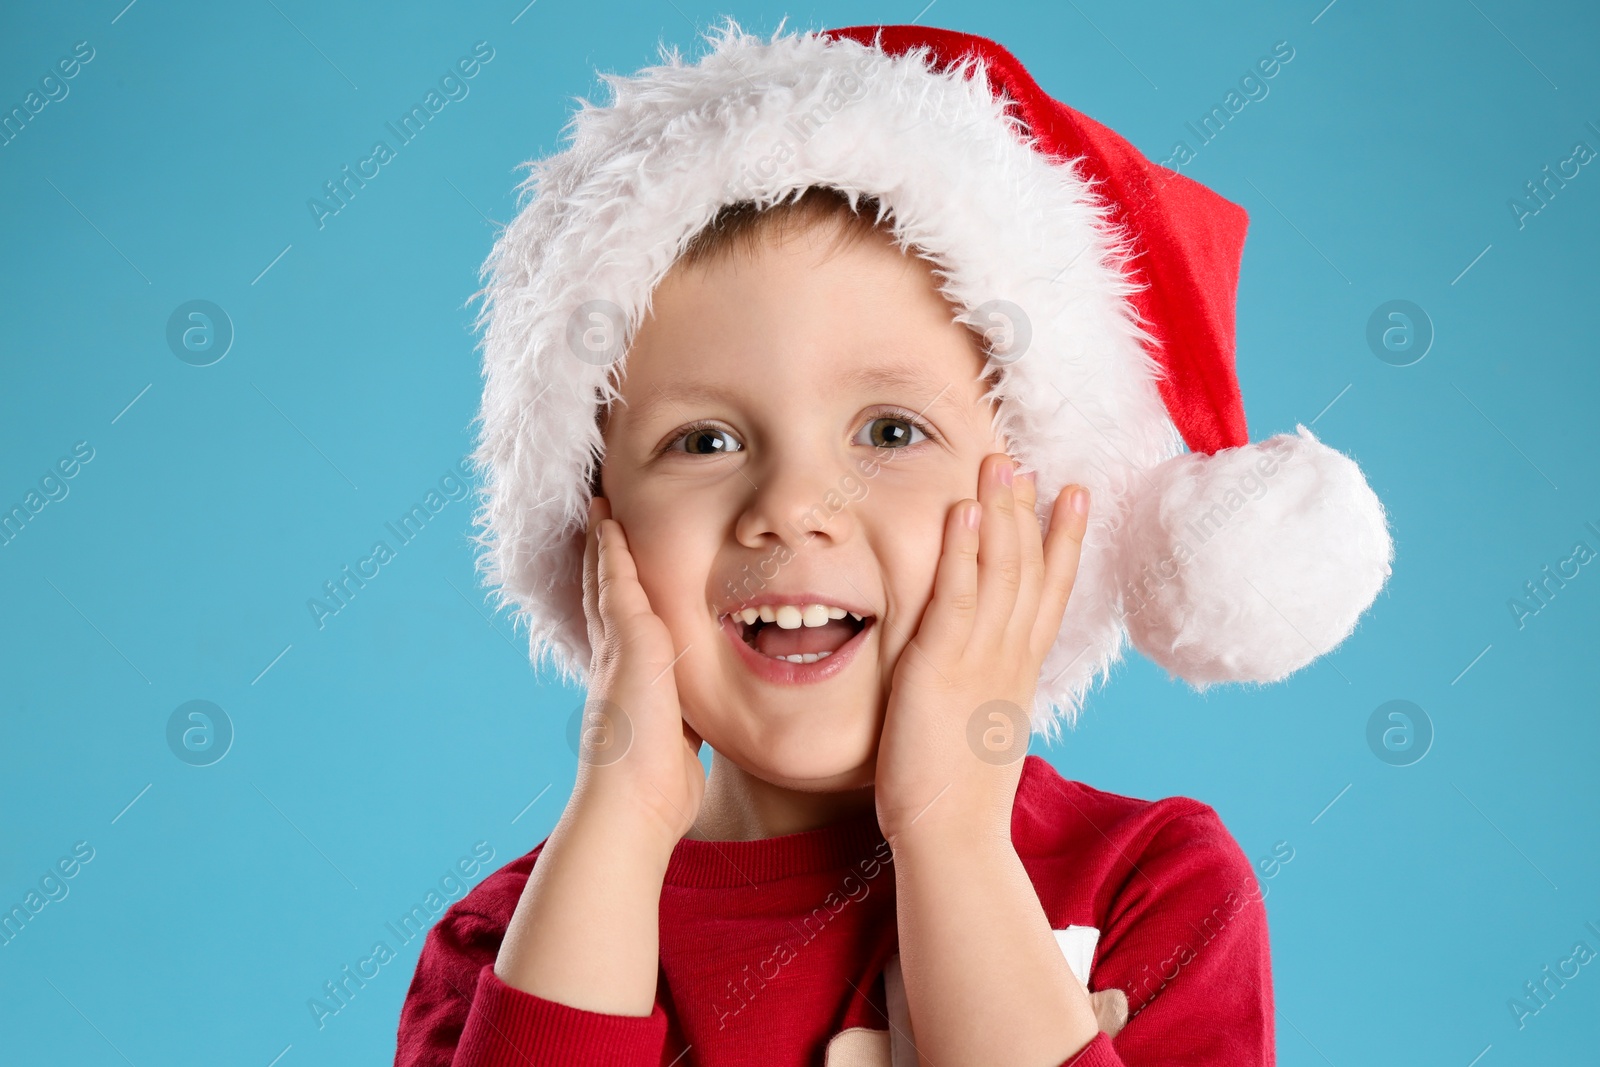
(375, 752)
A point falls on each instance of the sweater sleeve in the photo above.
(1186, 940)
(458, 1013)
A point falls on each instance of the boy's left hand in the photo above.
(956, 728)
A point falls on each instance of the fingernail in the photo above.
(970, 516)
(1006, 470)
(1080, 501)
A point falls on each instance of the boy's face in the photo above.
(806, 475)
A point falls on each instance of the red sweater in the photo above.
(770, 948)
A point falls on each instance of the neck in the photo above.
(738, 806)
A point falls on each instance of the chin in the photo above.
(807, 754)
(821, 776)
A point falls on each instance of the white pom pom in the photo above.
(1247, 564)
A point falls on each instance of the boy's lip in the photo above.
(784, 672)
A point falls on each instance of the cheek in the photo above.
(672, 550)
(908, 529)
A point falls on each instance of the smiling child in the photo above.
(829, 423)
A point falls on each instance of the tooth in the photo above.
(767, 613)
(836, 613)
(814, 614)
(749, 615)
(788, 617)
(854, 616)
(805, 657)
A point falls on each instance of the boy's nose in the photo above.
(797, 504)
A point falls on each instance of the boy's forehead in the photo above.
(910, 382)
(795, 321)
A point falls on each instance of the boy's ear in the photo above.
(602, 421)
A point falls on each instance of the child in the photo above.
(759, 354)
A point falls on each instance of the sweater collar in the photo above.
(708, 864)
(723, 864)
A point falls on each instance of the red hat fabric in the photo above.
(1189, 239)
(1229, 562)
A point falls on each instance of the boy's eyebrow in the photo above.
(900, 376)
(894, 376)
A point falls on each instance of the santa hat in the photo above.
(1112, 281)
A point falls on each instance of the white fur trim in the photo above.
(606, 218)
(1246, 565)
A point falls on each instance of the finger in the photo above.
(1030, 543)
(1063, 552)
(1000, 563)
(1110, 1010)
(947, 623)
(621, 597)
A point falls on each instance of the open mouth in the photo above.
(797, 633)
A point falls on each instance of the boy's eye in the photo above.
(883, 431)
(891, 431)
(707, 441)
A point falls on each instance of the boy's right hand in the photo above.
(639, 761)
